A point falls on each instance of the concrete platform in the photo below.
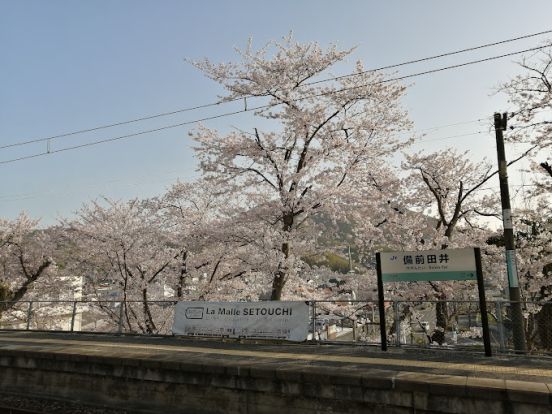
(166, 374)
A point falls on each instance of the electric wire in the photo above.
(218, 103)
(20, 197)
(103, 141)
(427, 72)
(451, 137)
(455, 124)
(410, 62)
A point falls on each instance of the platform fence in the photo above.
(454, 325)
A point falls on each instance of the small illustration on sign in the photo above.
(194, 313)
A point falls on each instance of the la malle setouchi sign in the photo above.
(270, 320)
(453, 264)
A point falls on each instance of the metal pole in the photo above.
(482, 303)
(500, 123)
(397, 323)
(29, 314)
(381, 305)
(73, 315)
(314, 320)
(500, 326)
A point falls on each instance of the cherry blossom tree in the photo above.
(207, 229)
(172, 247)
(534, 260)
(441, 201)
(191, 207)
(531, 95)
(125, 249)
(456, 199)
(26, 259)
(449, 186)
(321, 137)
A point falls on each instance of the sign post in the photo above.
(432, 265)
(482, 303)
(381, 305)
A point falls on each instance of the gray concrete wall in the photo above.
(213, 385)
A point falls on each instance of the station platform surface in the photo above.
(308, 357)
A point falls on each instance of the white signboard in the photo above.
(448, 264)
(275, 320)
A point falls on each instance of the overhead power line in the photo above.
(472, 62)
(218, 103)
(82, 131)
(442, 55)
(451, 137)
(427, 72)
(455, 124)
(103, 141)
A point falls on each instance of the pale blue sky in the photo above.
(70, 65)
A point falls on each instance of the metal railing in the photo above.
(454, 325)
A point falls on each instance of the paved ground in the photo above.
(340, 358)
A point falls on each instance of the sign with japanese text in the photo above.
(271, 320)
(449, 264)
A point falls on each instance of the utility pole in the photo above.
(500, 123)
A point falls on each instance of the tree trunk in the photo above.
(441, 324)
(182, 276)
(441, 309)
(441, 313)
(4, 295)
(280, 277)
(150, 324)
(13, 298)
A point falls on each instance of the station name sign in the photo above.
(426, 265)
(449, 264)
